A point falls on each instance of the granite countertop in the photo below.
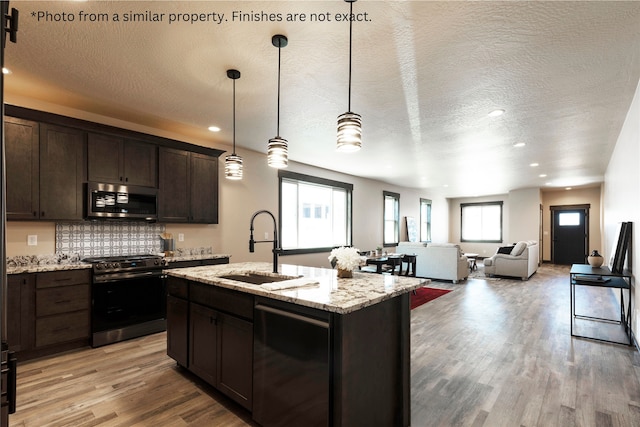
(330, 293)
(196, 257)
(57, 262)
(41, 268)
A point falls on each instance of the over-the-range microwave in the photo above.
(113, 201)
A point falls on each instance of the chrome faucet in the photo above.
(252, 242)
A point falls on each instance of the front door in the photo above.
(570, 234)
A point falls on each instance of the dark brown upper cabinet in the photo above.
(188, 184)
(62, 172)
(116, 160)
(22, 147)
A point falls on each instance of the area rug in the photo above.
(424, 295)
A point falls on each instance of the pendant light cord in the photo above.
(350, 48)
(278, 121)
(234, 117)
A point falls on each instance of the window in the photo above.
(391, 215)
(425, 220)
(568, 219)
(315, 213)
(481, 222)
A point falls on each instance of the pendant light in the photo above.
(277, 150)
(349, 123)
(233, 162)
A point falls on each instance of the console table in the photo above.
(585, 275)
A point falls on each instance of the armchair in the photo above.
(521, 262)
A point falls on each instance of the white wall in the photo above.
(524, 214)
(621, 196)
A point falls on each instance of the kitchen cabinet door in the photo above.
(23, 171)
(114, 160)
(188, 184)
(173, 197)
(20, 313)
(140, 164)
(204, 189)
(104, 157)
(203, 339)
(178, 329)
(235, 371)
(62, 172)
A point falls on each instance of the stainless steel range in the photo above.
(128, 297)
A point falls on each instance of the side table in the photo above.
(585, 275)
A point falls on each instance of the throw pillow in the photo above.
(519, 248)
(505, 249)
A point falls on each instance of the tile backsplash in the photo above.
(108, 238)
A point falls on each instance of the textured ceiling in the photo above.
(425, 76)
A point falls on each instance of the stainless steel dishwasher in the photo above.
(291, 365)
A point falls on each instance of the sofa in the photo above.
(442, 261)
(520, 261)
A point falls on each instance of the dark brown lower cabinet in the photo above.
(210, 332)
(20, 311)
(177, 329)
(48, 312)
(203, 338)
(235, 376)
(62, 310)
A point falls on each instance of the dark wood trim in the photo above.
(569, 207)
(55, 119)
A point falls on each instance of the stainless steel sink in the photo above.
(256, 279)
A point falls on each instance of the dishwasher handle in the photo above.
(291, 315)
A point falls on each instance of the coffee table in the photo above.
(472, 260)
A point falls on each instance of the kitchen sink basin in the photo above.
(256, 279)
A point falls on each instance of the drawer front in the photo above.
(62, 328)
(179, 288)
(62, 300)
(229, 301)
(63, 278)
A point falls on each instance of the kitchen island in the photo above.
(332, 352)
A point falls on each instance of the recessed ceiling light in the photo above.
(5, 70)
(534, 165)
(496, 113)
(214, 128)
(519, 144)
(543, 175)
(568, 188)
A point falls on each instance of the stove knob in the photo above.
(115, 265)
(156, 262)
(98, 266)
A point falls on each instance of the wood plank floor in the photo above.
(495, 352)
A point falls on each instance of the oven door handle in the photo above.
(114, 277)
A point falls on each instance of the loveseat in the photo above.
(521, 261)
(443, 261)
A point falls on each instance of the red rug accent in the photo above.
(424, 295)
